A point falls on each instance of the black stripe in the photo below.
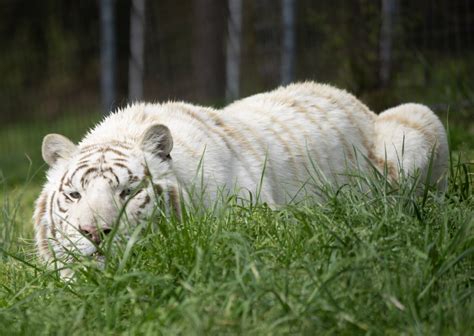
(87, 173)
(59, 206)
(111, 171)
(145, 202)
(77, 170)
(119, 159)
(115, 151)
(53, 228)
(68, 199)
(131, 177)
(174, 202)
(158, 189)
(62, 182)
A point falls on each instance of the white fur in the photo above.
(411, 135)
(279, 146)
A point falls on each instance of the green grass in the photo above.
(387, 262)
(20, 144)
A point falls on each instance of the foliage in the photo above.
(20, 145)
(50, 56)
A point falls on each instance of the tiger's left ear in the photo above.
(158, 141)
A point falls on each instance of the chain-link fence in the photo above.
(56, 56)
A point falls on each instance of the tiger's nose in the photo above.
(94, 233)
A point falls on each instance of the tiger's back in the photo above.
(301, 135)
(280, 145)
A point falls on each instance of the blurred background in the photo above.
(64, 64)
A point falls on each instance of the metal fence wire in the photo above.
(65, 59)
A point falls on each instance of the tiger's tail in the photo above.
(413, 140)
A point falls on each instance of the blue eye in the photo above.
(75, 195)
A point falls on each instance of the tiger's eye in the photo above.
(126, 192)
(75, 195)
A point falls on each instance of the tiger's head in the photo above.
(101, 188)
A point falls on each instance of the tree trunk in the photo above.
(234, 38)
(137, 46)
(288, 41)
(107, 54)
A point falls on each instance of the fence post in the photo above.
(208, 50)
(389, 8)
(137, 46)
(107, 54)
(288, 45)
(234, 38)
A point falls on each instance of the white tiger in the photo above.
(277, 145)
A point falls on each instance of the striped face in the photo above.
(95, 190)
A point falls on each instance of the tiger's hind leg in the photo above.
(412, 139)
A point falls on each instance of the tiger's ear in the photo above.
(55, 147)
(158, 141)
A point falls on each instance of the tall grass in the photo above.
(381, 262)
